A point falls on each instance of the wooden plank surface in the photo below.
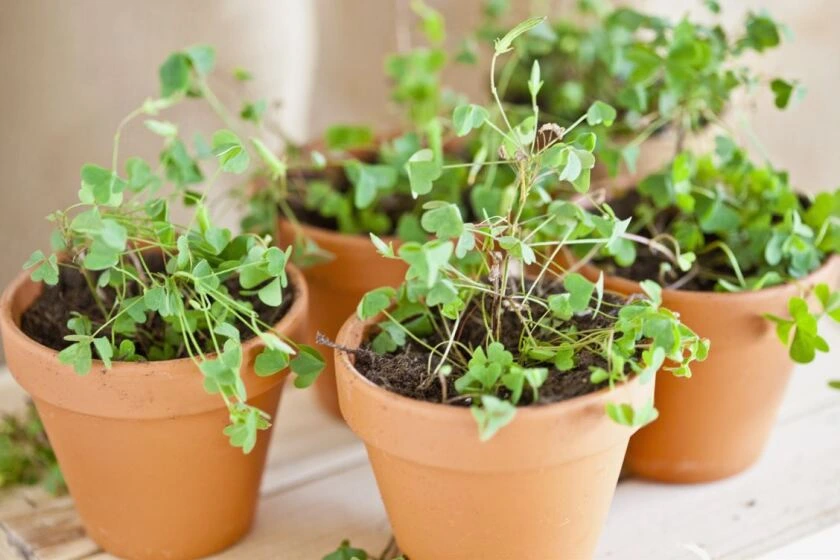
(318, 489)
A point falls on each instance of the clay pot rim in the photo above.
(352, 241)
(459, 413)
(627, 285)
(149, 367)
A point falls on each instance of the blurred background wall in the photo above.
(71, 70)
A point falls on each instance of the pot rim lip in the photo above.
(831, 261)
(123, 368)
(356, 240)
(460, 412)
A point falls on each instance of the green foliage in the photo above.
(471, 271)
(747, 225)
(657, 73)
(743, 227)
(347, 552)
(371, 184)
(26, 456)
(799, 333)
(165, 290)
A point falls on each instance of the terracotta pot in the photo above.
(540, 488)
(141, 444)
(717, 423)
(336, 287)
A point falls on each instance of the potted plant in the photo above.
(155, 351)
(496, 407)
(743, 258)
(334, 192)
(669, 81)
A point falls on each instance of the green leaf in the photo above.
(140, 175)
(384, 249)
(162, 128)
(100, 186)
(218, 238)
(180, 167)
(174, 75)
(422, 169)
(46, 271)
(505, 44)
(564, 360)
(78, 355)
(114, 235)
(253, 111)
(626, 415)
(580, 291)
(493, 415)
(433, 27)
(535, 84)
(653, 359)
(306, 366)
(203, 58)
(205, 278)
(104, 349)
(346, 552)
(228, 148)
(270, 361)
(368, 180)
(599, 112)
(468, 117)
(272, 162)
(653, 291)
(246, 422)
(560, 306)
(375, 302)
(272, 293)
(101, 256)
(443, 219)
(242, 74)
(273, 342)
(781, 92)
(343, 137)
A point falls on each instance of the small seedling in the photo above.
(26, 456)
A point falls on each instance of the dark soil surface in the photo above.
(394, 205)
(46, 319)
(406, 371)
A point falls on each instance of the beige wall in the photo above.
(71, 70)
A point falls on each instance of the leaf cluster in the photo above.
(360, 184)
(165, 290)
(473, 271)
(657, 73)
(740, 226)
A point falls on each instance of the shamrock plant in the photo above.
(160, 290)
(493, 337)
(348, 552)
(656, 73)
(740, 226)
(356, 182)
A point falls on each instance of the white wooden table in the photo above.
(318, 489)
